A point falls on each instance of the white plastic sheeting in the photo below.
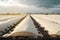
(7, 23)
(27, 26)
(52, 28)
(53, 18)
(5, 18)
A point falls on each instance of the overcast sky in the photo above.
(30, 6)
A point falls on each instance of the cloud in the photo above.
(30, 6)
(12, 3)
(57, 6)
(30, 9)
(3, 0)
(54, 10)
(41, 3)
(37, 3)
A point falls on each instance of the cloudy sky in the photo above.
(30, 6)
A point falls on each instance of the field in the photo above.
(14, 25)
(6, 21)
(49, 22)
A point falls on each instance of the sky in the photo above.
(30, 6)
